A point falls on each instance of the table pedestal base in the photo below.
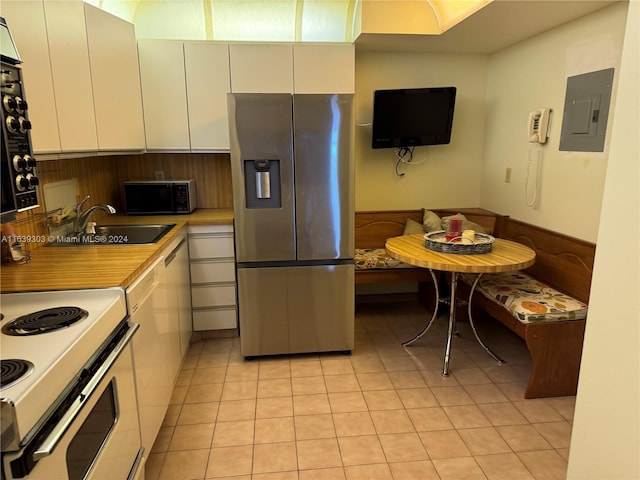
(452, 321)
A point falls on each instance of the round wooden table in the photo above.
(504, 256)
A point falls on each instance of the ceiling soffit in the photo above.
(439, 26)
(493, 27)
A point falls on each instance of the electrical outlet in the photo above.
(159, 174)
(507, 175)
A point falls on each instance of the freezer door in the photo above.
(286, 310)
(323, 148)
(261, 138)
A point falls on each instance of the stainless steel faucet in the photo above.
(82, 218)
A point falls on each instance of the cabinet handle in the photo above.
(173, 254)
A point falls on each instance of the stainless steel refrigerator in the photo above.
(293, 192)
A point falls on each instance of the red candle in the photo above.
(454, 230)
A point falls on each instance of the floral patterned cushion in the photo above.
(368, 258)
(527, 299)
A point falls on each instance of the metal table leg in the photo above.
(473, 327)
(451, 330)
(433, 317)
(452, 321)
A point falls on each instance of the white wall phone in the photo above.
(539, 125)
(538, 128)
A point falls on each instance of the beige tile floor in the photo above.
(383, 412)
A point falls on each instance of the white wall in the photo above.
(532, 74)
(443, 175)
(605, 443)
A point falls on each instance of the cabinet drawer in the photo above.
(212, 272)
(205, 229)
(219, 246)
(215, 319)
(213, 295)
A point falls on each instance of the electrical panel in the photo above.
(586, 111)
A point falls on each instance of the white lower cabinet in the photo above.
(213, 277)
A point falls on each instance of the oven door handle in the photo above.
(47, 447)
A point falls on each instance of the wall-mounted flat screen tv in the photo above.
(412, 117)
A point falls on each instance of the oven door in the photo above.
(100, 441)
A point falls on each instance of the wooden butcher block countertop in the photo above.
(102, 266)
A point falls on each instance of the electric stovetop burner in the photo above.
(45, 321)
(12, 370)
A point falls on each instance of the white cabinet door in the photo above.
(322, 68)
(164, 97)
(69, 53)
(116, 81)
(261, 68)
(28, 27)
(208, 82)
(81, 76)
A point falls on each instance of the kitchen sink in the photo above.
(116, 235)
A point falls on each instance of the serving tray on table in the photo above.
(437, 241)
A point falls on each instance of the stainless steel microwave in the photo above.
(154, 197)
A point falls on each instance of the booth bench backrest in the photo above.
(372, 228)
(563, 262)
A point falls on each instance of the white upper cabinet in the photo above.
(66, 31)
(261, 68)
(27, 24)
(164, 97)
(208, 82)
(81, 76)
(184, 91)
(292, 68)
(116, 81)
(324, 68)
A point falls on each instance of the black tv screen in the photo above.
(412, 117)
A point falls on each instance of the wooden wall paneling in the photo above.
(212, 172)
(96, 176)
(102, 177)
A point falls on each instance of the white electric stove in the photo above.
(54, 356)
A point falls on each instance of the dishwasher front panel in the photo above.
(154, 349)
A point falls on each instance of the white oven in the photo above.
(87, 426)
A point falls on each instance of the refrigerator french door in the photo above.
(292, 171)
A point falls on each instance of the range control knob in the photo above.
(19, 163)
(9, 103)
(13, 125)
(22, 183)
(21, 105)
(24, 124)
(30, 161)
(32, 180)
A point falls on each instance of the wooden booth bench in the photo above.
(561, 275)
(373, 228)
(546, 304)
